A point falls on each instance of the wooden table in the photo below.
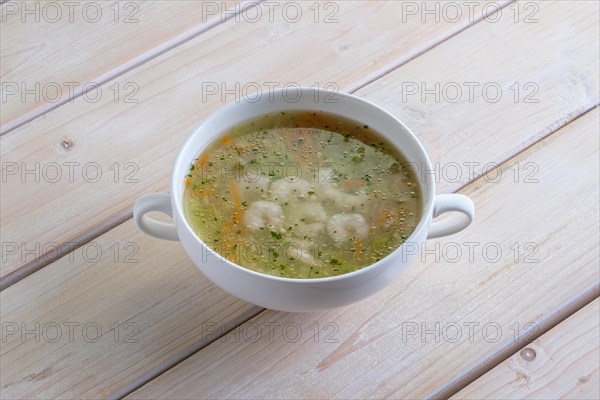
(98, 96)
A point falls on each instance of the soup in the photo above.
(302, 195)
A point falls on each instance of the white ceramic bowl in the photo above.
(302, 295)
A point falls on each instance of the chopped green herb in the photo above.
(348, 155)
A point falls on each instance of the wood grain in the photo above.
(121, 295)
(160, 345)
(565, 364)
(442, 319)
(124, 287)
(140, 140)
(541, 88)
(52, 50)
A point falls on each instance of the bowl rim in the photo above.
(426, 187)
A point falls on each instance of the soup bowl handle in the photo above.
(451, 202)
(154, 202)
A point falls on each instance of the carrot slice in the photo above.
(227, 140)
(357, 246)
(354, 183)
(237, 201)
(227, 228)
(201, 161)
(385, 214)
(235, 219)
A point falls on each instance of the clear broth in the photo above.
(302, 195)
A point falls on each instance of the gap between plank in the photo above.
(121, 216)
(546, 323)
(543, 135)
(129, 65)
(389, 68)
(183, 355)
(65, 248)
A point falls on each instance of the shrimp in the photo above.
(282, 190)
(300, 250)
(342, 227)
(263, 214)
(344, 199)
(311, 231)
(310, 219)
